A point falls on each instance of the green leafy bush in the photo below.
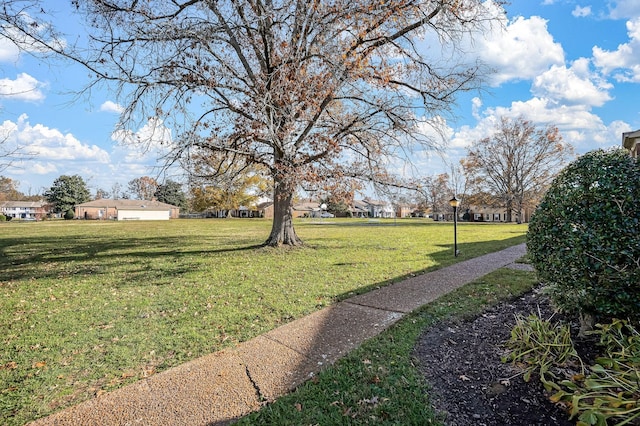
(584, 237)
(3, 218)
(68, 215)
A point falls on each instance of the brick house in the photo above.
(103, 209)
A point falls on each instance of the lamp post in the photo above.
(454, 202)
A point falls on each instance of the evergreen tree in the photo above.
(171, 193)
(67, 192)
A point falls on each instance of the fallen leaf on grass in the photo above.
(9, 366)
(148, 372)
(373, 401)
(39, 364)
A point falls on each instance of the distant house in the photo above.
(126, 210)
(263, 209)
(491, 214)
(359, 209)
(379, 208)
(630, 141)
(306, 209)
(24, 210)
(403, 210)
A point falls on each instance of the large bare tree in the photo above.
(436, 191)
(308, 89)
(516, 163)
(143, 187)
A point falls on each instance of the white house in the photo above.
(29, 210)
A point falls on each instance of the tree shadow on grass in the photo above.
(284, 358)
(60, 256)
(440, 259)
(273, 364)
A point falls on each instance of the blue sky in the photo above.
(570, 63)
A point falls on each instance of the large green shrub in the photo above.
(584, 237)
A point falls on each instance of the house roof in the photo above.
(29, 204)
(263, 205)
(375, 202)
(307, 206)
(127, 204)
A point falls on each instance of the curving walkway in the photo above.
(223, 386)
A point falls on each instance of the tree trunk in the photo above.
(509, 209)
(282, 231)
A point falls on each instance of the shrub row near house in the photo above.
(583, 238)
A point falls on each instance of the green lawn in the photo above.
(378, 383)
(89, 306)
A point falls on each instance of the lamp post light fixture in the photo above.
(454, 202)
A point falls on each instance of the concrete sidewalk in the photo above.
(226, 385)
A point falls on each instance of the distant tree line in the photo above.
(510, 169)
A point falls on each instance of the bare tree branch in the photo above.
(309, 89)
(517, 163)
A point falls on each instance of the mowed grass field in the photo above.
(87, 307)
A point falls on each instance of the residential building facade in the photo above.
(630, 141)
(24, 210)
(103, 209)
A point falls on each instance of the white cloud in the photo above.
(110, 106)
(51, 144)
(9, 52)
(522, 51)
(59, 153)
(40, 168)
(571, 86)
(465, 136)
(624, 63)
(476, 104)
(624, 9)
(581, 12)
(141, 153)
(17, 42)
(154, 134)
(578, 126)
(23, 88)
